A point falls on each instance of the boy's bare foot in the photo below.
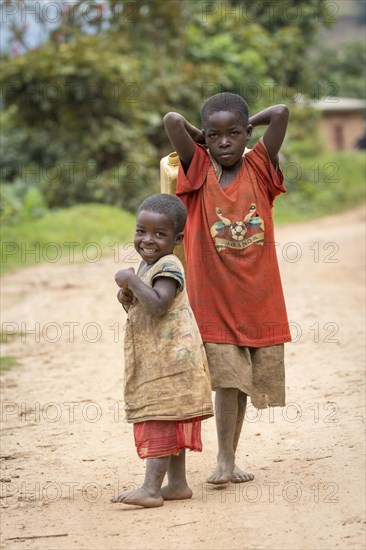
(239, 476)
(170, 492)
(219, 476)
(223, 472)
(122, 496)
(141, 497)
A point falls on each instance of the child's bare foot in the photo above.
(223, 472)
(239, 476)
(122, 496)
(177, 492)
(144, 498)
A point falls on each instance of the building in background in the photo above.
(342, 122)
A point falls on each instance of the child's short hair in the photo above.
(225, 101)
(170, 206)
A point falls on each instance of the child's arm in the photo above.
(125, 297)
(276, 117)
(182, 136)
(157, 299)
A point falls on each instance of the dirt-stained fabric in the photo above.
(258, 372)
(233, 278)
(166, 371)
(157, 438)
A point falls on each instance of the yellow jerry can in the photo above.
(168, 184)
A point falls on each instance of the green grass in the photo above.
(320, 186)
(7, 336)
(92, 228)
(7, 362)
(316, 186)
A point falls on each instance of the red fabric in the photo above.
(157, 438)
(233, 280)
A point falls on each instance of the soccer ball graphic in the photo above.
(238, 230)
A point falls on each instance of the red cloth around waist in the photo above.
(157, 438)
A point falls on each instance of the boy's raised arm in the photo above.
(276, 117)
(182, 136)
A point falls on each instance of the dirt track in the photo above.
(66, 448)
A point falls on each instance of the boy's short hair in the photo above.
(170, 206)
(225, 101)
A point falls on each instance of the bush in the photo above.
(72, 114)
(19, 202)
(95, 227)
(320, 185)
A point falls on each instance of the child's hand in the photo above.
(123, 277)
(125, 297)
(198, 137)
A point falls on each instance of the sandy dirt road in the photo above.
(66, 448)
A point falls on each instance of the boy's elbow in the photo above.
(158, 306)
(283, 110)
(171, 119)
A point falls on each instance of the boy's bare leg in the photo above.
(177, 488)
(149, 495)
(239, 475)
(226, 414)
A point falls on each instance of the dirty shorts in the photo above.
(258, 372)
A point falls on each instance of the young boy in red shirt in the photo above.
(233, 279)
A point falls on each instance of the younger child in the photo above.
(233, 279)
(167, 386)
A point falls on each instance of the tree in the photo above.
(83, 110)
(341, 72)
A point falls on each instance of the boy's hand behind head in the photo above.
(199, 137)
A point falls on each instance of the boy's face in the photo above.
(226, 137)
(155, 236)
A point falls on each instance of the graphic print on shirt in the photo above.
(238, 234)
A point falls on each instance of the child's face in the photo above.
(155, 236)
(226, 138)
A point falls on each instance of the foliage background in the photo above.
(82, 111)
(85, 85)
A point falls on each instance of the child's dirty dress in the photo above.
(167, 387)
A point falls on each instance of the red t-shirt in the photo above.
(233, 280)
